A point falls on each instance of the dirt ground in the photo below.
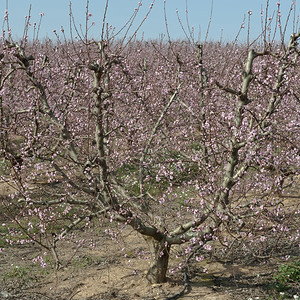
(106, 272)
(116, 270)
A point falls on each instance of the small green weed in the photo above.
(86, 261)
(19, 272)
(287, 276)
(4, 167)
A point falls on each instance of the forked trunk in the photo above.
(160, 253)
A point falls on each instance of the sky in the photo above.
(227, 17)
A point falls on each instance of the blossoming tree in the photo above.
(186, 143)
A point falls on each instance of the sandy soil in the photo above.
(116, 270)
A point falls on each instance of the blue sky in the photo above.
(227, 16)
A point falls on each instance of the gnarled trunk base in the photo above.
(160, 253)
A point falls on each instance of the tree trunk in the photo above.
(160, 253)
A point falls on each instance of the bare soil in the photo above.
(116, 270)
(106, 272)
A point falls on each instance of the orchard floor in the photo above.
(116, 270)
